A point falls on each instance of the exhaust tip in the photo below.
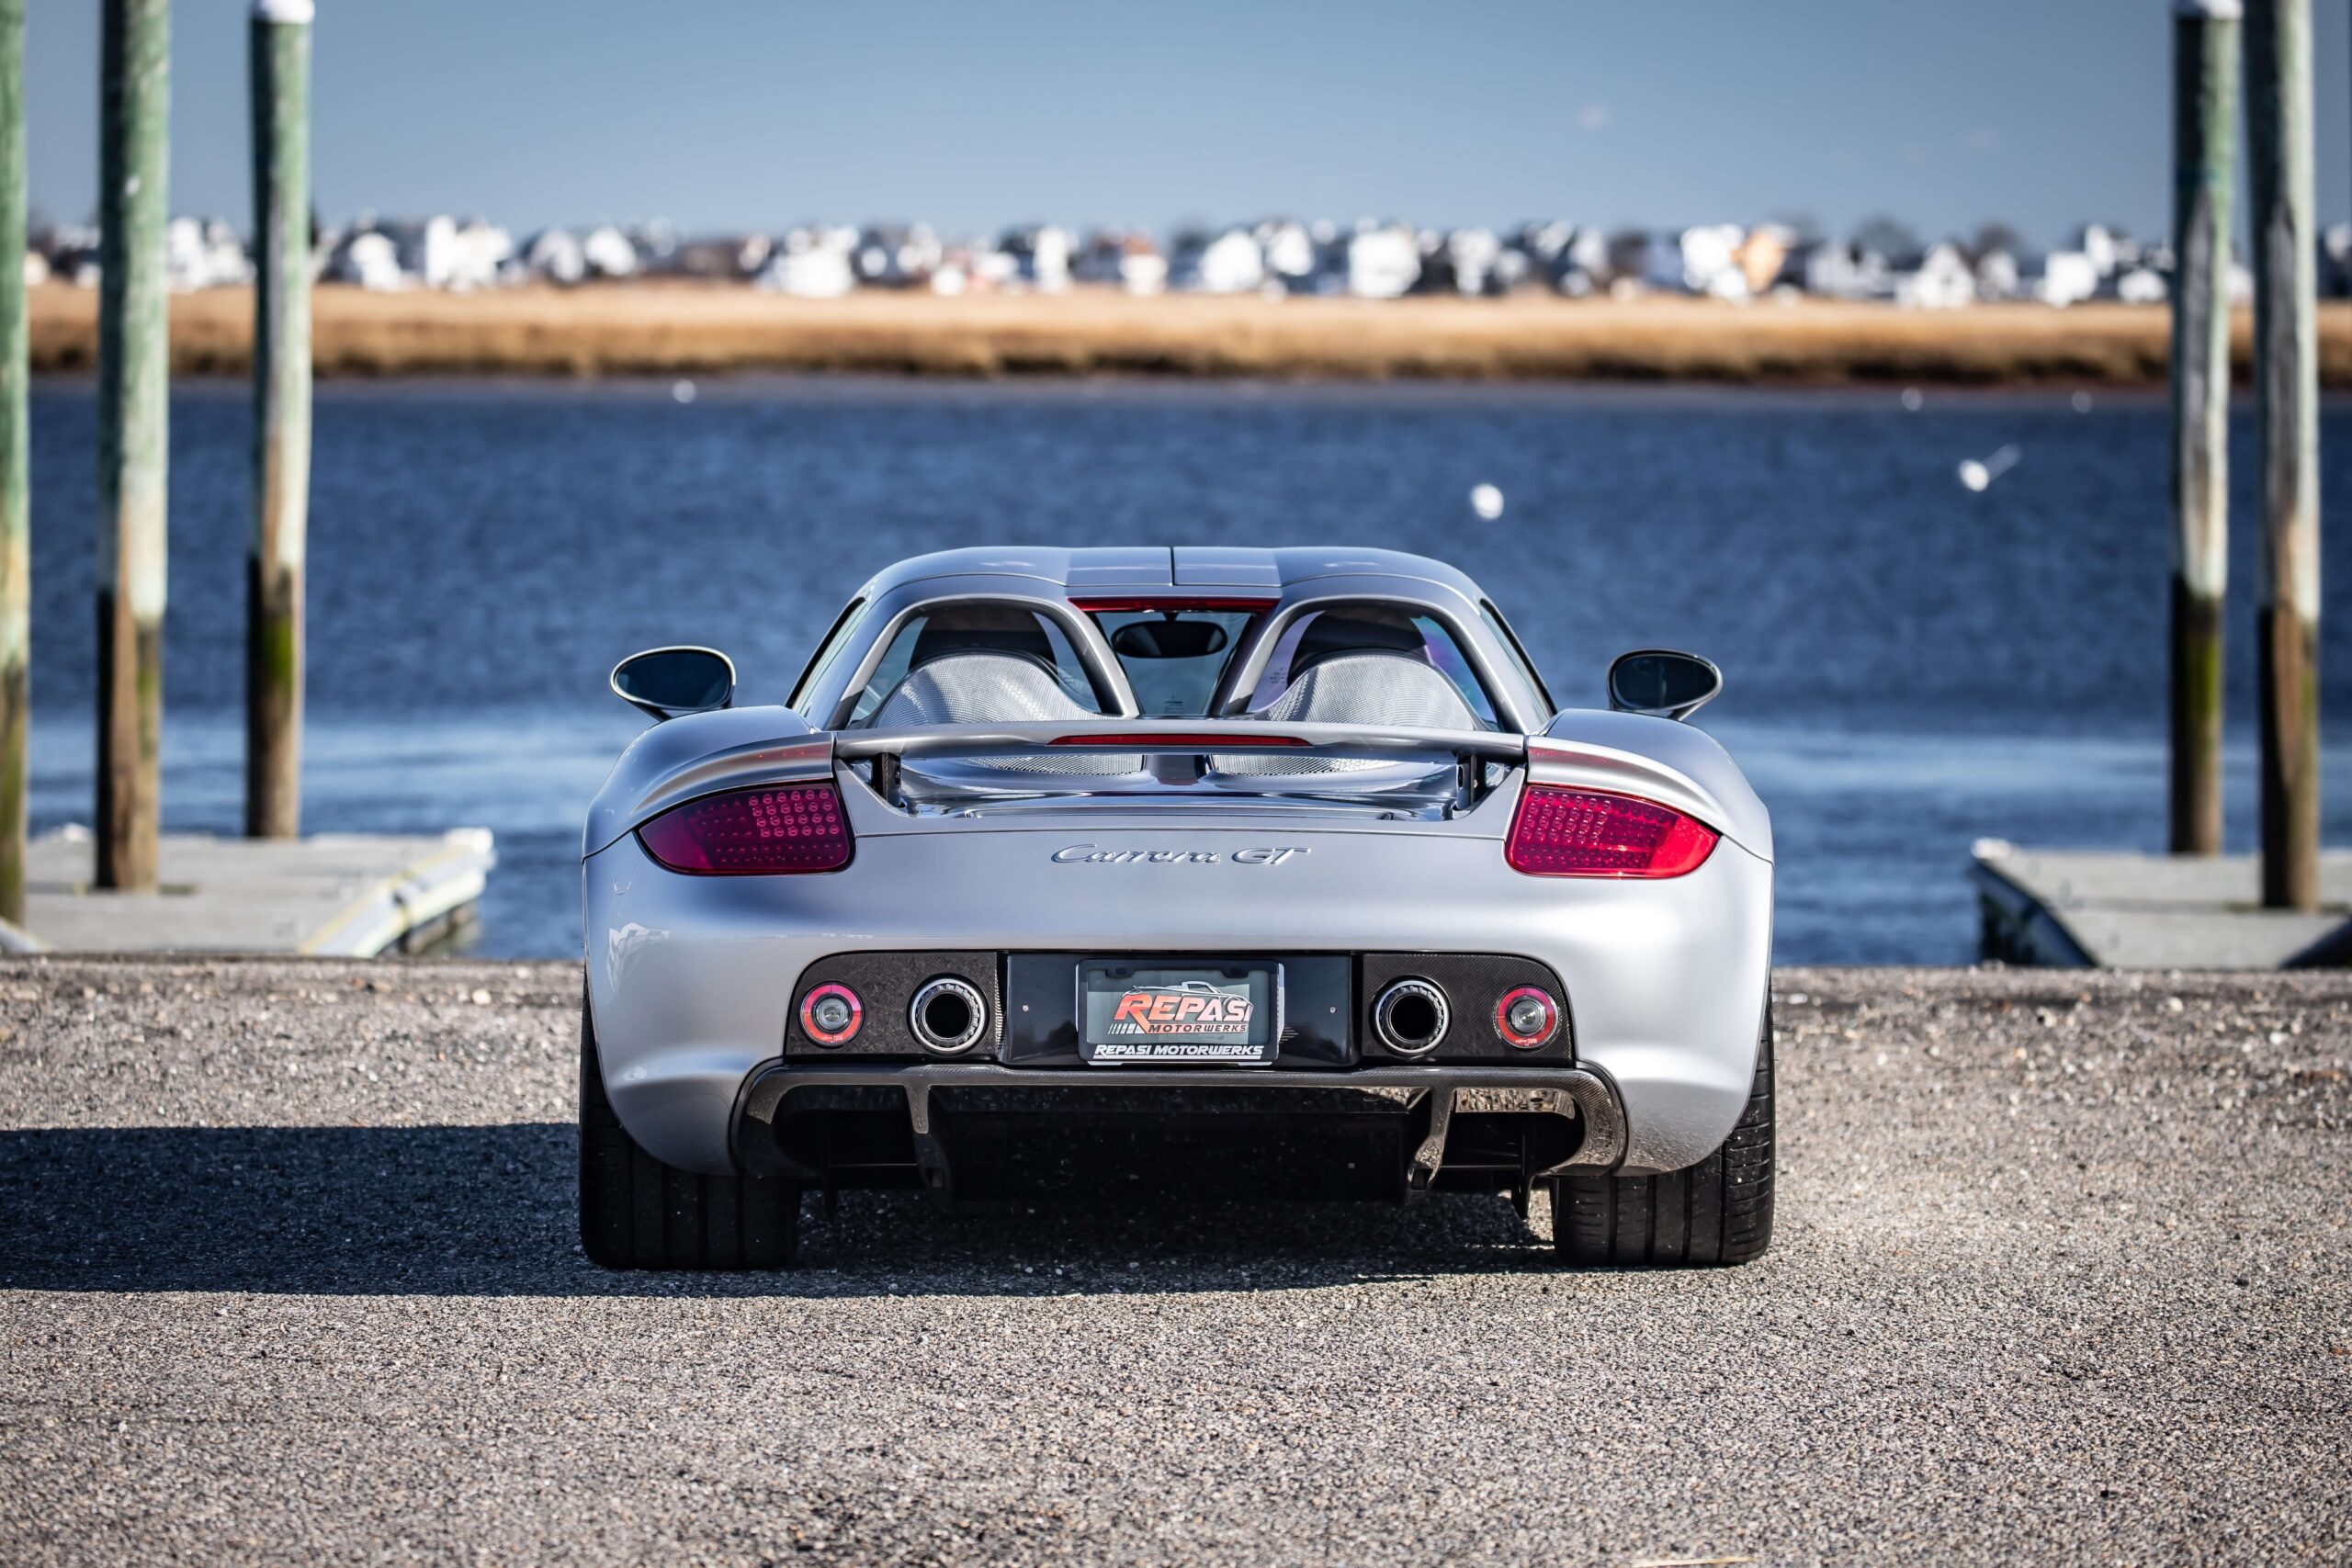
(1411, 1017)
(948, 1016)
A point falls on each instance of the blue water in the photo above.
(1910, 666)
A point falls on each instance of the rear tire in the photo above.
(1717, 1212)
(637, 1213)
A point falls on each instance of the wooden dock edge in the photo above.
(2015, 926)
(414, 908)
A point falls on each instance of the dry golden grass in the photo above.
(684, 329)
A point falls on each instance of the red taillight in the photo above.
(752, 832)
(1154, 740)
(1587, 832)
(1113, 605)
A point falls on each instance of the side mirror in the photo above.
(667, 682)
(1662, 682)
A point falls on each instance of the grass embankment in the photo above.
(675, 329)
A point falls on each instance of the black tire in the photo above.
(637, 1213)
(1719, 1211)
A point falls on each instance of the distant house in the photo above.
(1127, 260)
(1941, 279)
(1041, 253)
(894, 255)
(2336, 262)
(36, 269)
(462, 256)
(554, 255)
(608, 253)
(2141, 285)
(812, 264)
(1998, 276)
(203, 253)
(1378, 262)
(1289, 250)
(1761, 255)
(1226, 263)
(1837, 269)
(1472, 256)
(719, 257)
(2065, 278)
(1701, 260)
(370, 258)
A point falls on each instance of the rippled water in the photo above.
(1910, 666)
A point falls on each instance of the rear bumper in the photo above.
(1433, 1097)
(692, 980)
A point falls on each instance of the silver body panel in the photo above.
(691, 979)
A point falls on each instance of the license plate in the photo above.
(1222, 1015)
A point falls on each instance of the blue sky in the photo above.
(722, 114)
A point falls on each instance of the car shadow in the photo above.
(488, 1211)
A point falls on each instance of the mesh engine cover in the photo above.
(1358, 688)
(994, 688)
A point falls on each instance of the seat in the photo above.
(994, 688)
(1385, 690)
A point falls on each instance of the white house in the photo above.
(1288, 250)
(812, 264)
(36, 269)
(2141, 285)
(1042, 253)
(2067, 277)
(462, 256)
(371, 258)
(1127, 259)
(1380, 262)
(1941, 281)
(1997, 276)
(608, 253)
(555, 255)
(203, 253)
(1702, 260)
(1229, 262)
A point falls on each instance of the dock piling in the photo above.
(2286, 375)
(16, 540)
(281, 454)
(2205, 93)
(133, 433)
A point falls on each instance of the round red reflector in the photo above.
(830, 1015)
(1527, 1018)
(769, 831)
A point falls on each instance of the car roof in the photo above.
(1099, 568)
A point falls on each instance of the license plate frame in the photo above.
(1124, 1022)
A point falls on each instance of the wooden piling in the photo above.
(281, 451)
(133, 433)
(2286, 376)
(2204, 143)
(16, 540)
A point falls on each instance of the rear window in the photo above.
(947, 629)
(1370, 628)
(1174, 659)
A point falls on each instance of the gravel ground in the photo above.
(286, 1273)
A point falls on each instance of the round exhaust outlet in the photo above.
(948, 1016)
(1411, 1017)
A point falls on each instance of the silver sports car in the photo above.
(1279, 867)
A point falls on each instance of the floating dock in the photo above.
(334, 895)
(2115, 909)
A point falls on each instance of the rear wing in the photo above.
(1177, 738)
(703, 754)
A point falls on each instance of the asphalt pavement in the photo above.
(288, 1274)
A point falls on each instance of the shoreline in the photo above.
(684, 329)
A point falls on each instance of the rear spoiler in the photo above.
(1611, 753)
(1175, 738)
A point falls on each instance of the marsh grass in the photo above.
(687, 329)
